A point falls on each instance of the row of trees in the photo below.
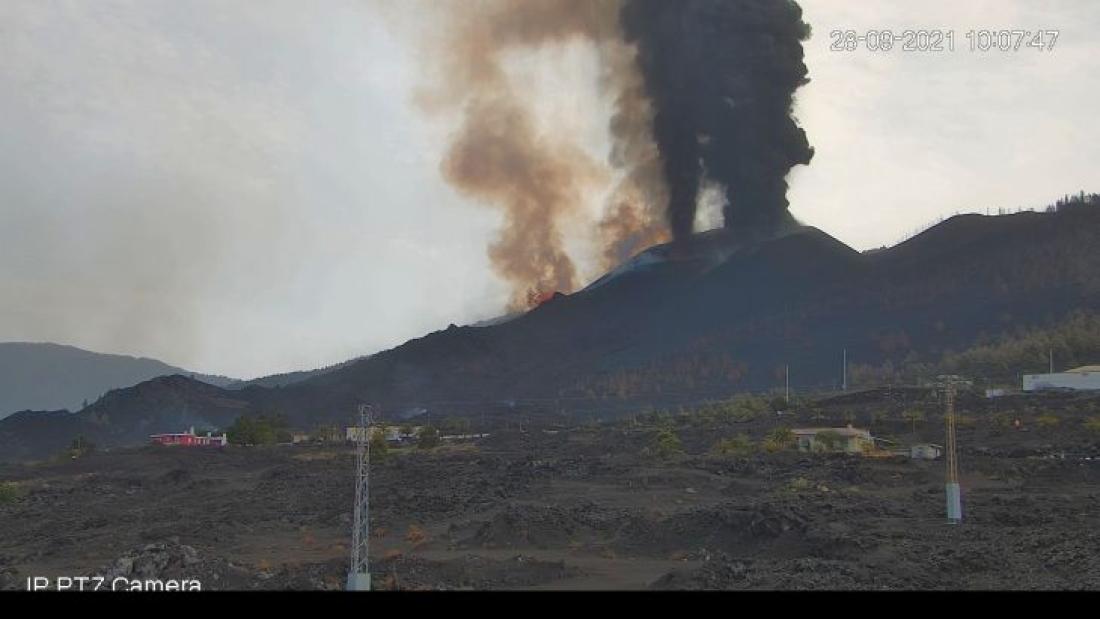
(259, 429)
(742, 408)
(669, 376)
(666, 443)
(1075, 341)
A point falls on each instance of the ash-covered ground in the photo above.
(591, 506)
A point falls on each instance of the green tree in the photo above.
(779, 439)
(429, 438)
(740, 445)
(379, 448)
(667, 444)
(10, 492)
(1048, 420)
(258, 430)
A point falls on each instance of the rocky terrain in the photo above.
(591, 507)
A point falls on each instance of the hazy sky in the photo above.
(247, 187)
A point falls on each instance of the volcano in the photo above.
(721, 315)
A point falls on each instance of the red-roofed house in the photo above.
(189, 439)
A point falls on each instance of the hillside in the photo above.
(681, 324)
(287, 378)
(122, 417)
(45, 376)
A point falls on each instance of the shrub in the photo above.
(799, 484)
(258, 430)
(739, 445)
(416, 535)
(1093, 424)
(913, 417)
(379, 448)
(666, 444)
(1048, 420)
(429, 438)
(828, 440)
(80, 447)
(10, 492)
(778, 440)
(965, 421)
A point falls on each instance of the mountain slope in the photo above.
(683, 326)
(122, 417)
(685, 323)
(287, 378)
(50, 376)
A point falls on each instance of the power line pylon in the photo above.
(949, 386)
(359, 574)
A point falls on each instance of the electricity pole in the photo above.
(845, 383)
(359, 574)
(949, 385)
(787, 387)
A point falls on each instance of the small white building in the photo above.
(391, 434)
(841, 440)
(463, 437)
(1085, 378)
(925, 452)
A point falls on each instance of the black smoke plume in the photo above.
(721, 76)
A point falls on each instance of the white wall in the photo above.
(1083, 381)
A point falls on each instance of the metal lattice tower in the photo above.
(949, 386)
(359, 574)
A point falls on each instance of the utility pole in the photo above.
(845, 384)
(1051, 360)
(949, 385)
(359, 574)
(787, 389)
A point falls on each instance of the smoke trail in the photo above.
(634, 219)
(540, 181)
(499, 156)
(721, 75)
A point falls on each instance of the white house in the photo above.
(843, 440)
(1085, 378)
(392, 434)
(925, 452)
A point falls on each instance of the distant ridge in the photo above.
(289, 378)
(45, 376)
